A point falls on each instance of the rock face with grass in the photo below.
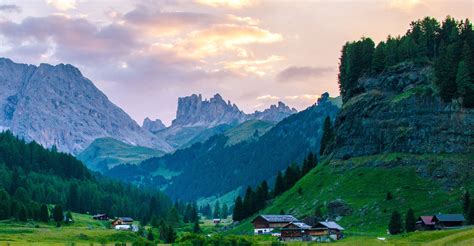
(399, 111)
(57, 105)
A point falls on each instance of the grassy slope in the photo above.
(246, 130)
(365, 188)
(83, 232)
(111, 152)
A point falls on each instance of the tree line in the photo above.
(32, 177)
(254, 201)
(448, 46)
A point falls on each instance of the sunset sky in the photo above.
(145, 54)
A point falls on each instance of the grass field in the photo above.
(84, 231)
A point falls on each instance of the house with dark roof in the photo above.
(122, 221)
(425, 223)
(326, 231)
(100, 217)
(295, 231)
(448, 221)
(264, 224)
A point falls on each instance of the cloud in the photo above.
(62, 5)
(236, 4)
(268, 97)
(222, 38)
(10, 8)
(257, 67)
(295, 73)
(404, 5)
(303, 96)
(74, 39)
(159, 23)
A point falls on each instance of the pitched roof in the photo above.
(300, 225)
(449, 217)
(126, 219)
(279, 218)
(427, 220)
(329, 225)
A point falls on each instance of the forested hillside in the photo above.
(31, 176)
(216, 167)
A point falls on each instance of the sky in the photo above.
(145, 54)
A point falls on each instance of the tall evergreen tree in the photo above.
(237, 215)
(470, 214)
(58, 215)
(217, 210)
(327, 135)
(395, 225)
(44, 213)
(197, 228)
(466, 202)
(150, 235)
(22, 214)
(378, 62)
(410, 221)
(279, 185)
(4, 204)
(225, 211)
(249, 202)
(173, 217)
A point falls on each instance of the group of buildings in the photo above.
(120, 223)
(440, 222)
(288, 228)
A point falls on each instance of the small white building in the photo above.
(123, 227)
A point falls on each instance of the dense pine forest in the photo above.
(448, 47)
(32, 178)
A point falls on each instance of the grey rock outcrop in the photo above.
(274, 113)
(57, 105)
(153, 125)
(400, 112)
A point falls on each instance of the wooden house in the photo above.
(448, 221)
(100, 217)
(122, 221)
(264, 224)
(325, 231)
(295, 231)
(425, 223)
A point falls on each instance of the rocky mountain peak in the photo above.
(152, 125)
(274, 112)
(193, 110)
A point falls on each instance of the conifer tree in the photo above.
(217, 210)
(22, 214)
(249, 202)
(172, 217)
(44, 213)
(410, 221)
(237, 215)
(196, 228)
(58, 215)
(4, 204)
(395, 225)
(470, 214)
(225, 211)
(466, 202)
(378, 63)
(279, 185)
(327, 135)
(150, 235)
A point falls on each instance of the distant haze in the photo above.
(145, 54)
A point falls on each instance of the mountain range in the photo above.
(57, 105)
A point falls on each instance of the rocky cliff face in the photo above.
(153, 125)
(400, 112)
(57, 105)
(274, 113)
(193, 111)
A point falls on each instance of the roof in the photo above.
(427, 220)
(278, 218)
(449, 217)
(99, 215)
(126, 219)
(329, 225)
(300, 225)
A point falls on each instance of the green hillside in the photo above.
(363, 182)
(247, 130)
(105, 153)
